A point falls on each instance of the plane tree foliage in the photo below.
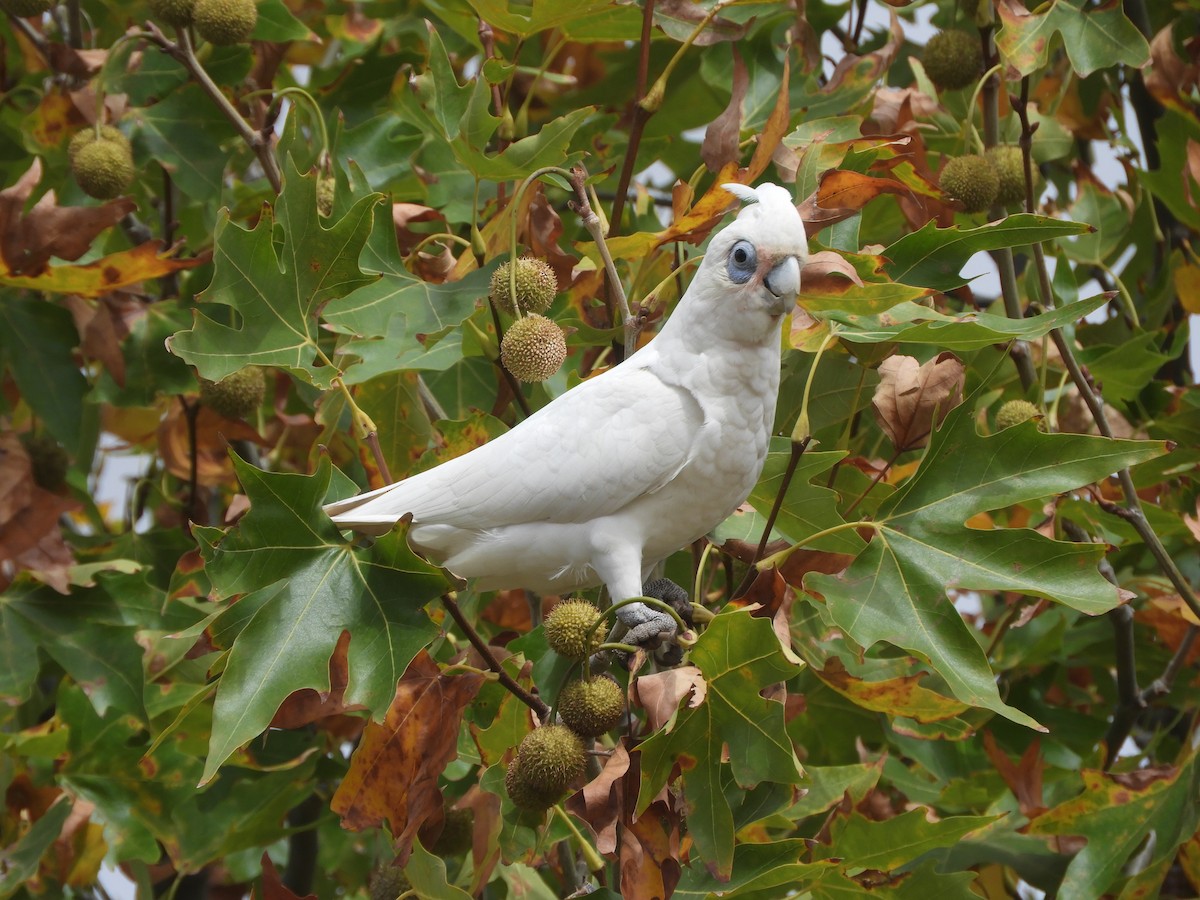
(947, 646)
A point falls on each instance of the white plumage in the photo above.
(626, 468)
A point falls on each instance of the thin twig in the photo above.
(190, 412)
(542, 710)
(31, 34)
(798, 448)
(1132, 510)
(595, 228)
(183, 52)
(640, 116)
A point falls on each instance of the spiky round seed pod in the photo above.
(173, 12)
(458, 833)
(103, 169)
(972, 181)
(235, 396)
(523, 793)
(48, 460)
(953, 59)
(325, 190)
(82, 138)
(533, 348)
(388, 882)
(592, 707)
(224, 22)
(1009, 164)
(550, 758)
(23, 9)
(572, 630)
(1014, 412)
(536, 286)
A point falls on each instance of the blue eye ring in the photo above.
(742, 263)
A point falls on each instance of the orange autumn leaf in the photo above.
(393, 774)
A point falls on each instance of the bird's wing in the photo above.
(585, 455)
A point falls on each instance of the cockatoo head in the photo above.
(752, 267)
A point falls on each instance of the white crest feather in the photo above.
(743, 192)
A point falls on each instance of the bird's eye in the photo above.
(742, 262)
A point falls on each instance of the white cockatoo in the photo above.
(627, 467)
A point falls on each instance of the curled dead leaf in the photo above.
(661, 693)
(911, 395)
(394, 772)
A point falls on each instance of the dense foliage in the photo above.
(944, 650)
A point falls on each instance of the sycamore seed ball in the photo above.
(1009, 164)
(572, 630)
(952, 59)
(235, 396)
(224, 22)
(536, 286)
(458, 833)
(1014, 412)
(523, 793)
(82, 138)
(388, 882)
(534, 348)
(173, 12)
(47, 459)
(103, 169)
(592, 707)
(550, 758)
(972, 181)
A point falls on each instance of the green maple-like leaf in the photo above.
(304, 586)
(738, 654)
(807, 508)
(278, 280)
(895, 590)
(1117, 813)
(84, 633)
(892, 843)
(388, 318)
(911, 323)
(1094, 38)
(933, 257)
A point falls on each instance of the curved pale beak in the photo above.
(783, 282)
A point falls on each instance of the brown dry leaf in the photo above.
(649, 846)
(102, 325)
(273, 886)
(1193, 171)
(485, 841)
(868, 68)
(774, 129)
(543, 230)
(694, 225)
(1024, 777)
(306, 706)
(394, 772)
(896, 110)
(826, 266)
(1165, 616)
(599, 802)
(30, 537)
(27, 241)
(687, 14)
(723, 136)
(1168, 77)
(213, 434)
(909, 395)
(660, 694)
(841, 189)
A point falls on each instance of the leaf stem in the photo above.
(798, 448)
(777, 559)
(879, 476)
(595, 227)
(534, 703)
(595, 862)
